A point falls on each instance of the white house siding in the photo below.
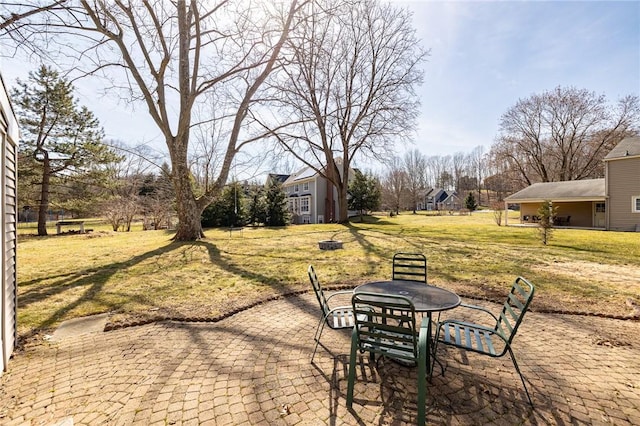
(318, 192)
(302, 186)
(623, 183)
(8, 139)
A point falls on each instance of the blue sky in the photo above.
(485, 55)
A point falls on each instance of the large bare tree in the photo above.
(394, 185)
(16, 14)
(563, 134)
(415, 166)
(348, 88)
(170, 54)
(478, 165)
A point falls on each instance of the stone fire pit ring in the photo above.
(330, 245)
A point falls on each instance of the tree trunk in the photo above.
(343, 210)
(189, 212)
(44, 197)
(189, 218)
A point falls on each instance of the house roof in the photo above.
(304, 173)
(274, 177)
(628, 147)
(7, 110)
(573, 190)
(452, 196)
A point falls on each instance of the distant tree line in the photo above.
(561, 134)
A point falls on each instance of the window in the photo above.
(305, 205)
(600, 207)
(635, 204)
(296, 188)
(305, 186)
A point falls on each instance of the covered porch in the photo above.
(579, 204)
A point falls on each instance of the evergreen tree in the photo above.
(364, 193)
(257, 206)
(211, 215)
(233, 210)
(470, 202)
(276, 205)
(61, 141)
(228, 210)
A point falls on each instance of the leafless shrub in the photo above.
(497, 212)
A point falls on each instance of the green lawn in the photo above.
(143, 274)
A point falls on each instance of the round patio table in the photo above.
(425, 298)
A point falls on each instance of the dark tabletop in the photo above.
(425, 298)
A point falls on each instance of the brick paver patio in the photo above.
(253, 368)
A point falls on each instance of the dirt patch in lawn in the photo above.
(610, 290)
(618, 287)
(615, 274)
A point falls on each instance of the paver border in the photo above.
(119, 325)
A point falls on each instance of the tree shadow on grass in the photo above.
(369, 248)
(89, 286)
(91, 280)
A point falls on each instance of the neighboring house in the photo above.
(451, 202)
(8, 186)
(312, 198)
(612, 203)
(581, 202)
(439, 199)
(622, 176)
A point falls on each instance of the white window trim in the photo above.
(634, 204)
(305, 186)
(296, 188)
(308, 211)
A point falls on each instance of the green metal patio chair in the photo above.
(337, 317)
(494, 340)
(409, 267)
(386, 325)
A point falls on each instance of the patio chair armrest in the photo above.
(340, 308)
(350, 292)
(335, 308)
(478, 308)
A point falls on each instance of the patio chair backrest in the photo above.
(386, 324)
(409, 267)
(317, 288)
(514, 308)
